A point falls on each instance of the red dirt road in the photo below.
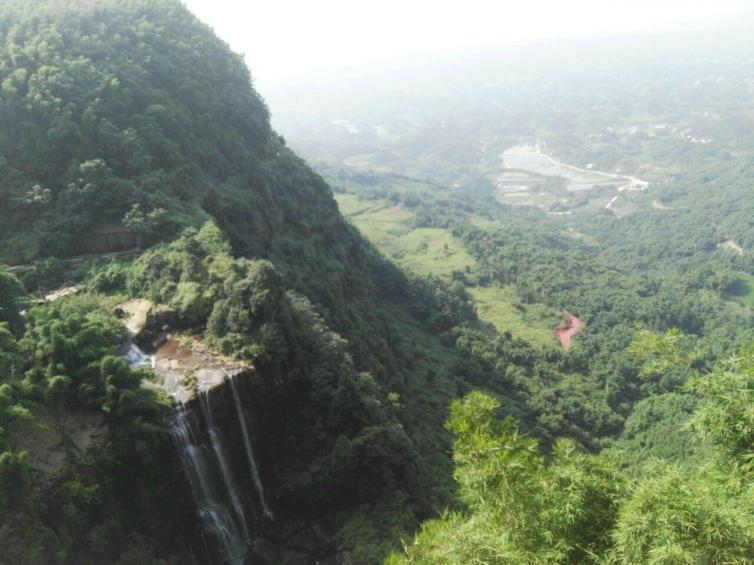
(566, 334)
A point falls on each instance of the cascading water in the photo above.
(231, 536)
(222, 459)
(247, 446)
(208, 465)
(136, 357)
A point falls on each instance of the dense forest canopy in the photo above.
(394, 371)
(107, 106)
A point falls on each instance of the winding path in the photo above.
(634, 183)
(74, 260)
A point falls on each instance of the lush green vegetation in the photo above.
(61, 382)
(742, 289)
(271, 279)
(249, 314)
(130, 126)
(115, 111)
(501, 307)
(580, 508)
(660, 277)
(436, 252)
(161, 130)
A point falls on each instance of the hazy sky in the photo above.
(284, 38)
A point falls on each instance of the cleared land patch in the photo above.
(742, 290)
(500, 307)
(533, 178)
(657, 205)
(423, 251)
(566, 332)
(732, 246)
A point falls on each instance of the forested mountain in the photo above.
(203, 361)
(124, 124)
(130, 127)
(615, 189)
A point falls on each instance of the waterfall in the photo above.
(136, 357)
(212, 510)
(209, 468)
(222, 459)
(247, 445)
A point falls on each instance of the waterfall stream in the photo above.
(247, 446)
(222, 459)
(212, 508)
(209, 465)
(136, 357)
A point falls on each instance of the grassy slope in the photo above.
(434, 251)
(742, 290)
(501, 308)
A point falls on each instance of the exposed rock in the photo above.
(144, 320)
(61, 293)
(291, 557)
(184, 364)
(265, 552)
(136, 314)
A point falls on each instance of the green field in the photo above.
(435, 251)
(742, 290)
(423, 251)
(501, 308)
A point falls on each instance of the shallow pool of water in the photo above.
(530, 158)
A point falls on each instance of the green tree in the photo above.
(10, 291)
(518, 509)
(684, 517)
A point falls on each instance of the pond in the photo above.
(531, 158)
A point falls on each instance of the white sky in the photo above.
(285, 38)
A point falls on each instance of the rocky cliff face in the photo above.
(247, 508)
(243, 503)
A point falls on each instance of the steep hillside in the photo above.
(110, 105)
(129, 126)
(124, 124)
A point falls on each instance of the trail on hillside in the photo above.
(77, 259)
